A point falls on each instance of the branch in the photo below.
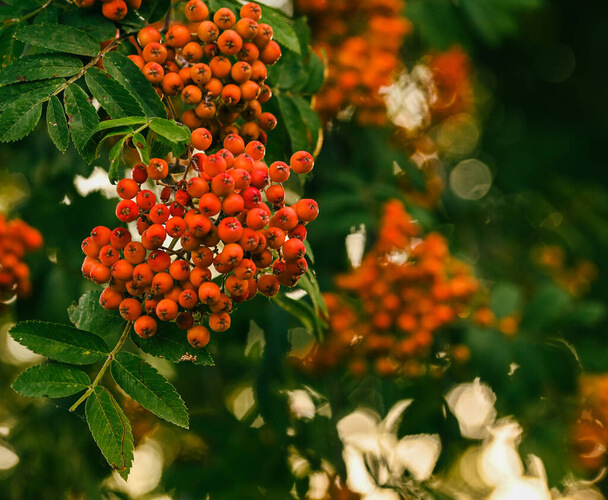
(109, 359)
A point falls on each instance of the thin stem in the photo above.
(89, 65)
(30, 14)
(102, 371)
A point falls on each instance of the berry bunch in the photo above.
(114, 10)
(390, 307)
(16, 239)
(361, 39)
(231, 235)
(219, 73)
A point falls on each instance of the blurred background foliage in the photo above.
(537, 126)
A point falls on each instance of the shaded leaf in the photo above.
(57, 124)
(88, 315)
(59, 37)
(10, 47)
(52, 380)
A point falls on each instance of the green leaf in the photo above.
(113, 97)
(40, 67)
(10, 48)
(20, 118)
(57, 124)
(154, 10)
(505, 299)
(140, 143)
(89, 21)
(316, 74)
(50, 15)
(293, 122)
(283, 29)
(303, 312)
(40, 89)
(312, 122)
(51, 380)
(59, 37)
(170, 130)
(549, 304)
(60, 342)
(115, 157)
(308, 282)
(171, 343)
(111, 430)
(90, 316)
(82, 118)
(149, 388)
(120, 122)
(128, 74)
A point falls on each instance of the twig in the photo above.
(109, 359)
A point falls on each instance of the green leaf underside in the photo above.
(20, 118)
(170, 130)
(149, 388)
(40, 67)
(128, 74)
(88, 315)
(59, 37)
(57, 124)
(51, 380)
(171, 343)
(111, 430)
(60, 342)
(82, 118)
(113, 97)
(119, 122)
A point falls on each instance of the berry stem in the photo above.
(102, 371)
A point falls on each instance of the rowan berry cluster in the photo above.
(219, 72)
(231, 235)
(387, 310)
(361, 40)
(16, 239)
(114, 10)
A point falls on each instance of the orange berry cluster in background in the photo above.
(360, 40)
(576, 279)
(451, 72)
(387, 310)
(590, 433)
(16, 239)
(219, 72)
